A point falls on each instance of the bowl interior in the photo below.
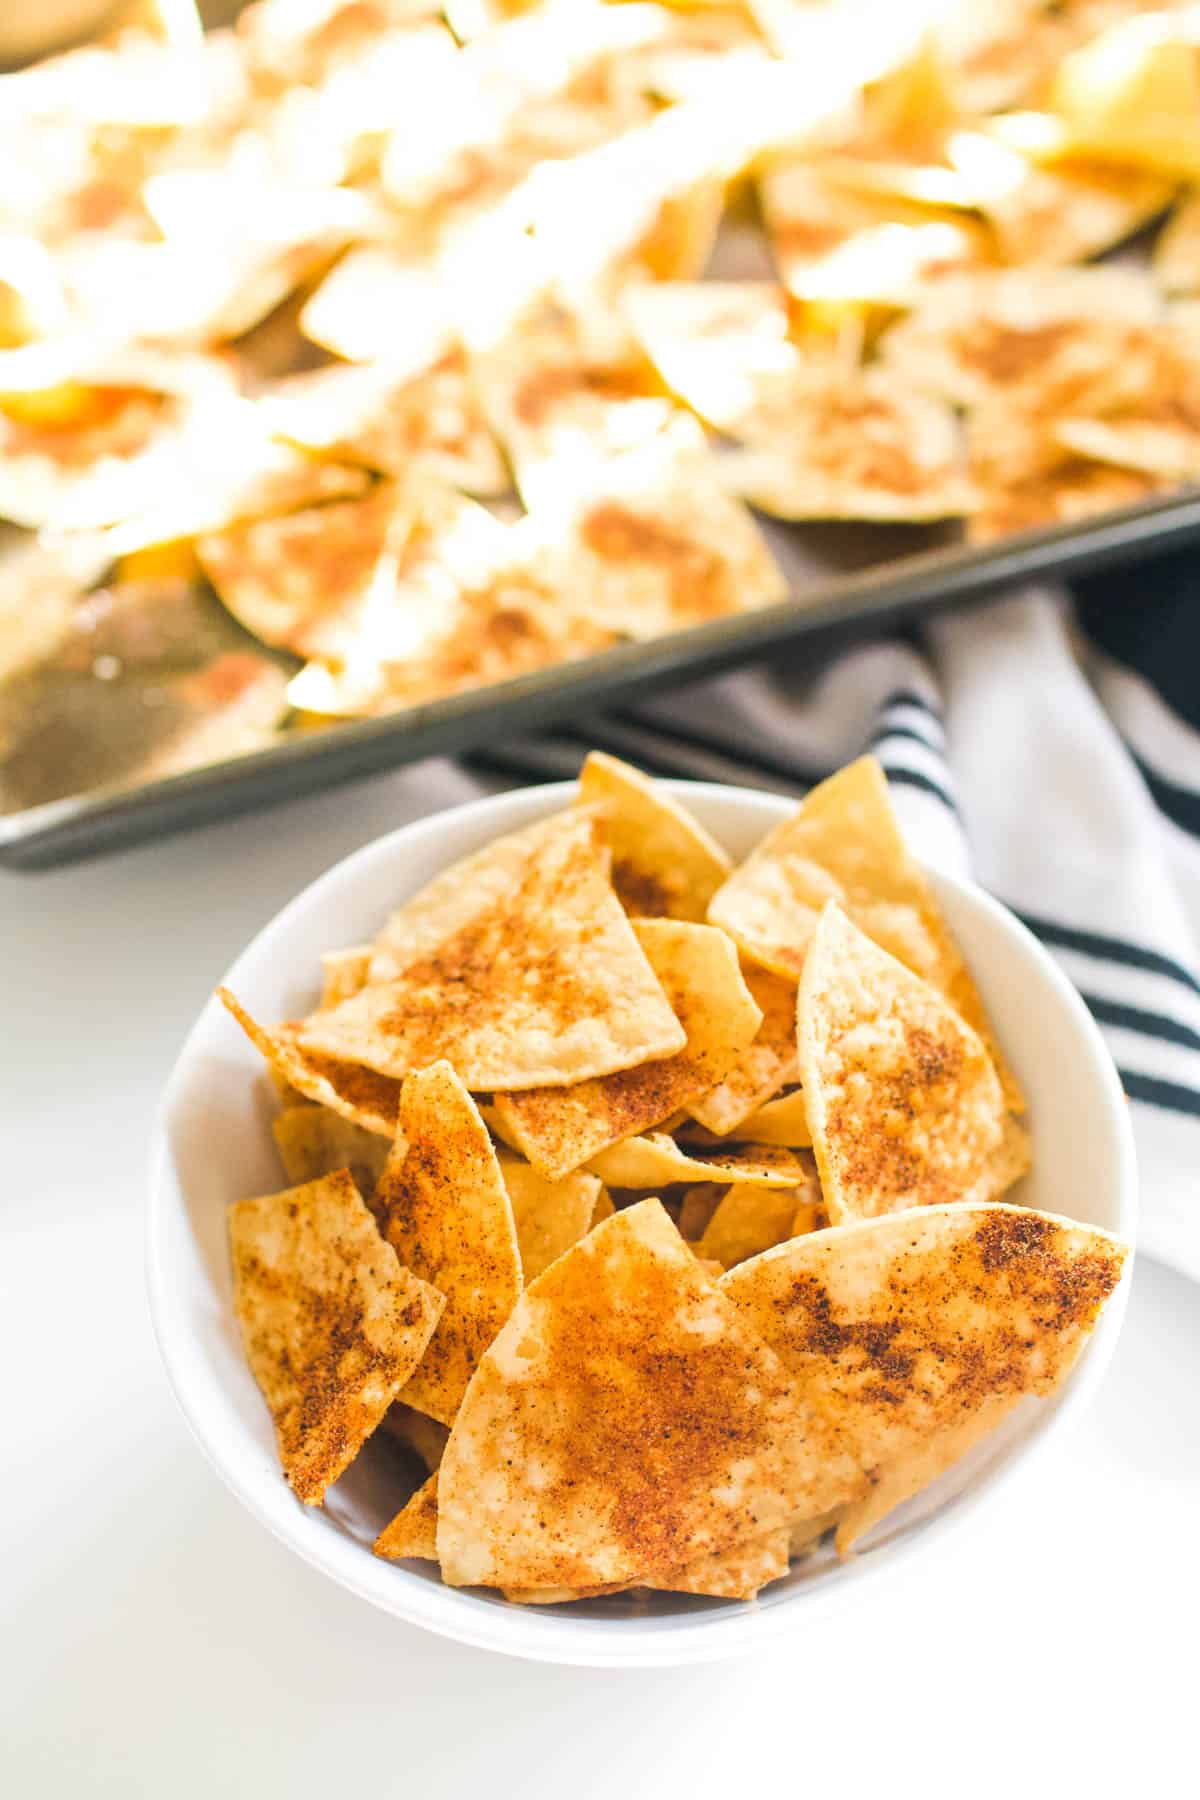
(215, 1146)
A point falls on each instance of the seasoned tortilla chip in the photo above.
(1073, 489)
(357, 1093)
(518, 966)
(900, 1329)
(416, 1431)
(332, 1325)
(413, 1531)
(664, 863)
(767, 1065)
(560, 1129)
(844, 843)
(549, 1216)
(444, 1209)
(734, 1574)
(783, 1121)
(369, 414)
(313, 1141)
(294, 579)
(853, 445)
(622, 1424)
(655, 1160)
(1132, 94)
(724, 347)
(903, 1101)
(379, 306)
(749, 1220)
(920, 1465)
(345, 973)
(1162, 451)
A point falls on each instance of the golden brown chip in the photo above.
(357, 1093)
(751, 1219)
(1073, 489)
(550, 1215)
(898, 1330)
(768, 1064)
(560, 1129)
(844, 843)
(697, 1207)
(345, 973)
(413, 1532)
(518, 966)
(603, 1209)
(903, 1101)
(655, 1160)
(1132, 94)
(333, 1326)
(416, 1431)
(314, 1141)
(920, 1465)
(664, 862)
(783, 1121)
(622, 1424)
(725, 347)
(734, 1574)
(444, 1209)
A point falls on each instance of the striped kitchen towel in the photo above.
(1048, 746)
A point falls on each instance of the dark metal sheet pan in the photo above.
(847, 581)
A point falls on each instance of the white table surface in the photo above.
(155, 1641)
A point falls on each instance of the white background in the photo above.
(155, 1641)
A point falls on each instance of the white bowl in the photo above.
(213, 1145)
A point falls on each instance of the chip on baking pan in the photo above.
(559, 1128)
(333, 1325)
(356, 1092)
(997, 1302)
(903, 1100)
(444, 1208)
(519, 966)
(724, 347)
(844, 843)
(623, 1423)
(664, 862)
(549, 1215)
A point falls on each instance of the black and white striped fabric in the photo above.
(1048, 747)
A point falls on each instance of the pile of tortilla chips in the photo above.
(659, 1210)
(385, 325)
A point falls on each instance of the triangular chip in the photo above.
(664, 863)
(656, 1160)
(369, 1099)
(767, 1065)
(518, 966)
(750, 1220)
(333, 1326)
(413, 1531)
(904, 1104)
(622, 1424)
(734, 1574)
(783, 1121)
(444, 1209)
(844, 844)
(549, 1216)
(561, 1128)
(314, 1141)
(900, 1329)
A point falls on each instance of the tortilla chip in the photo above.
(549, 1216)
(444, 1209)
(748, 1220)
(416, 1431)
(367, 414)
(844, 843)
(1076, 488)
(697, 1207)
(734, 1574)
(903, 1101)
(1133, 95)
(413, 1531)
(518, 966)
(665, 865)
(622, 1424)
(313, 1141)
(1162, 452)
(783, 1121)
(560, 1129)
(768, 1064)
(854, 445)
(655, 1160)
(723, 346)
(333, 1326)
(345, 973)
(359, 1094)
(898, 1329)
(378, 306)
(292, 580)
